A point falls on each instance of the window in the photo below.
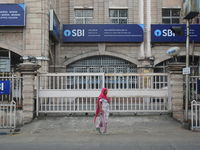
(83, 16)
(160, 68)
(118, 16)
(104, 64)
(171, 16)
(198, 19)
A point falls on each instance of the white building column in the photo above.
(148, 51)
(141, 16)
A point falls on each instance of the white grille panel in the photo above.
(104, 64)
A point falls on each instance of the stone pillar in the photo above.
(28, 71)
(176, 76)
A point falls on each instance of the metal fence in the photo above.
(195, 115)
(70, 81)
(193, 88)
(8, 116)
(117, 104)
(78, 92)
(136, 81)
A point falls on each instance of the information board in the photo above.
(12, 14)
(4, 87)
(103, 33)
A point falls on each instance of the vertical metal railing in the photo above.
(136, 81)
(71, 81)
(8, 116)
(195, 115)
(193, 88)
(75, 92)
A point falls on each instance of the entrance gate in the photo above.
(10, 98)
(78, 92)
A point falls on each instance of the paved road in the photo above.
(124, 132)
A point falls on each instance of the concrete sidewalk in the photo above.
(120, 124)
(124, 132)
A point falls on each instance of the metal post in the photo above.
(187, 65)
(37, 96)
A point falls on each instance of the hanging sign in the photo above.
(54, 25)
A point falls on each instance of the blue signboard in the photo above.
(12, 14)
(163, 33)
(198, 86)
(103, 33)
(4, 87)
(54, 25)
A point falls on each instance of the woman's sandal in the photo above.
(98, 130)
(104, 133)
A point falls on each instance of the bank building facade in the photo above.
(80, 46)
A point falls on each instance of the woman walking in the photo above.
(103, 109)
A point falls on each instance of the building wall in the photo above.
(36, 31)
(172, 3)
(34, 38)
(100, 16)
(11, 38)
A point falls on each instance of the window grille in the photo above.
(193, 64)
(118, 16)
(170, 16)
(104, 64)
(197, 19)
(83, 16)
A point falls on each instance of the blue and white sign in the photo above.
(54, 25)
(12, 14)
(103, 33)
(4, 87)
(163, 33)
(198, 86)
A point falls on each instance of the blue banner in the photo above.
(103, 33)
(4, 87)
(12, 14)
(198, 86)
(54, 25)
(163, 33)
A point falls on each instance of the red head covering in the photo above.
(102, 95)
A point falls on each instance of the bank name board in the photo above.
(163, 33)
(103, 33)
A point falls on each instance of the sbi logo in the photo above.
(157, 32)
(74, 32)
(67, 33)
(173, 51)
(164, 32)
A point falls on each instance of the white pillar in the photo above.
(148, 52)
(141, 16)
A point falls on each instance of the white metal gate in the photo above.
(8, 116)
(9, 102)
(78, 92)
(195, 115)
